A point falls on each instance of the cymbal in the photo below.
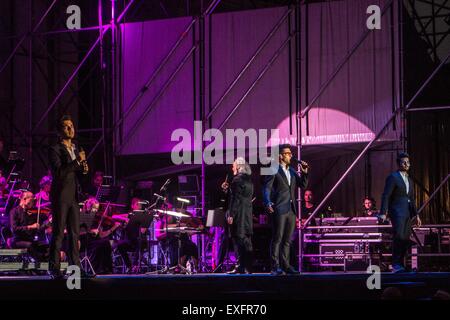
(172, 213)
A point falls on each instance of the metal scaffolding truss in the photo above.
(432, 20)
(34, 45)
(400, 111)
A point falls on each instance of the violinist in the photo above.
(3, 189)
(43, 196)
(95, 238)
(25, 226)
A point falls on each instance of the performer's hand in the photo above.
(33, 226)
(418, 223)
(230, 220)
(225, 186)
(304, 167)
(270, 209)
(82, 155)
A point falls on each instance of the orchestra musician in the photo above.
(132, 235)
(95, 238)
(66, 163)
(25, 227)
(369, 207)
(96, 183)
(43, 196)
(3, 189)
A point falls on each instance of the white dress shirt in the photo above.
(404, 176)
(287, 173)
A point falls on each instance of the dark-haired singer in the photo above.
(279, 198)
(66, 163)
(398, 202)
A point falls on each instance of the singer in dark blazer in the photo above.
(399, 204)
(279, 193)
(66, 163)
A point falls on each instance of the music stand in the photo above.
(87, 220)
(216, 218)
(107, 193)
(142, 219)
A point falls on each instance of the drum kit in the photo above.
(154, 220)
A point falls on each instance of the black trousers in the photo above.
(244, 249)
(125, 246)
(37, 249)
(401, 240)
(283, 226)
(65, 216)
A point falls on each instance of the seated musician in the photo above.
(25, 227)
(369, 207)
(308, 205)
(96, 183)
(43, 196)
(132, 235)
(169, 240)
(95, 238)
(3, 189)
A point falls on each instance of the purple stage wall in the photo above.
(145, 45)
(355, 105)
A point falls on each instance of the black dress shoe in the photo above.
(277, 272)
(55, 274)
(237, 271)
(291, 270)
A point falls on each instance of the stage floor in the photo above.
(224, 287)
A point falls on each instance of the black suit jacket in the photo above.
(278, 193)
(65, 171)
(241, 208)
(395, 200)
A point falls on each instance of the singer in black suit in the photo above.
(66, 163)
(398, 202)
(279, 193)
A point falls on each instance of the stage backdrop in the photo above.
(354, 106)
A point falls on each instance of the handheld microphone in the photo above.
(296, 160)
